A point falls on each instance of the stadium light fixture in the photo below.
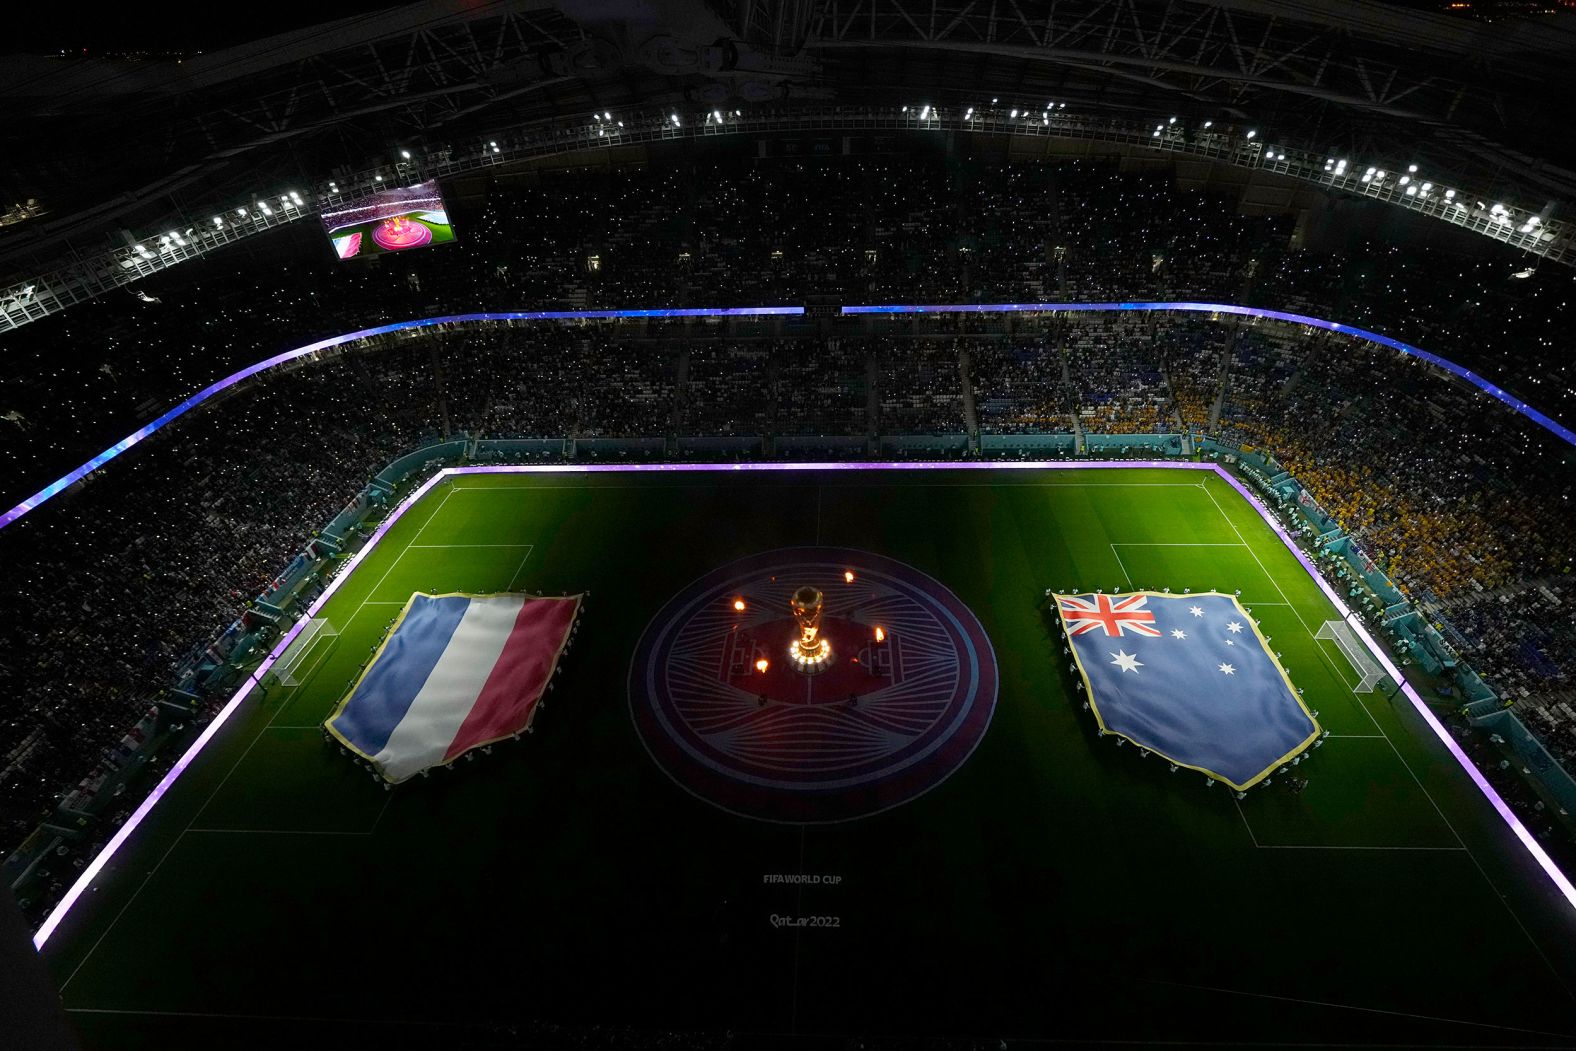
(1014, 115)
(405, 154)
(924, 113)
(1412, 168)
(970, 114)
(217, 221)
(1252, 134)
(1209, 124)
(607, 116)
(1173, 120)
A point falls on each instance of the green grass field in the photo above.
(1056, 886)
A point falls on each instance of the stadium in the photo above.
(789, 525)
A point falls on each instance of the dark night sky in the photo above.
(163, 25)
(193, 25)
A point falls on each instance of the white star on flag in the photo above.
(1235, 627)
(1228, 669)
(1179, 634)
(1196, 611)
(1230, 643)
(1127, 661)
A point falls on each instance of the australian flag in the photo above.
(1190, 678)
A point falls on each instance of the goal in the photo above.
(287, 667)
(1340, 633)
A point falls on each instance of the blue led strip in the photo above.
(290, 355)
(1564, 433)
(1553, 426)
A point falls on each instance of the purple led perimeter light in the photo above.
(1564, 433)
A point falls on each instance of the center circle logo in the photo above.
(897, 695)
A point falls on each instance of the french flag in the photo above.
(457, 672)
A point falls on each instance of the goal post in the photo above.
(287, 667)
(1357, 655)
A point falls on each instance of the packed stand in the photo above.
(919, 387)
(1118, 386)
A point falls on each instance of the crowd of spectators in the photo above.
(1020, 386)
(719, 232)
(920, 386)
(1117, 383)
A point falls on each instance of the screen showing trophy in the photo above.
(389, 220)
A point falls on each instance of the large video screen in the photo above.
(390, 220)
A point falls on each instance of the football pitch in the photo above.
(1054, 886)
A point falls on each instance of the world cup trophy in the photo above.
(809, 651)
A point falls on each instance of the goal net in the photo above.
(288, 668)
(1357, 655)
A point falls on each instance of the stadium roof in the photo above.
(124, 142)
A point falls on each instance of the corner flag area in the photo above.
(961, 832)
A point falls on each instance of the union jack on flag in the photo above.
(1117, 616)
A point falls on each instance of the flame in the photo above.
(762, 664)
(880, 634)
(848, 576)
(738, 605)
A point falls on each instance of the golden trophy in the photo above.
(809, 652)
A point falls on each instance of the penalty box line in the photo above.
(1493, 889)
